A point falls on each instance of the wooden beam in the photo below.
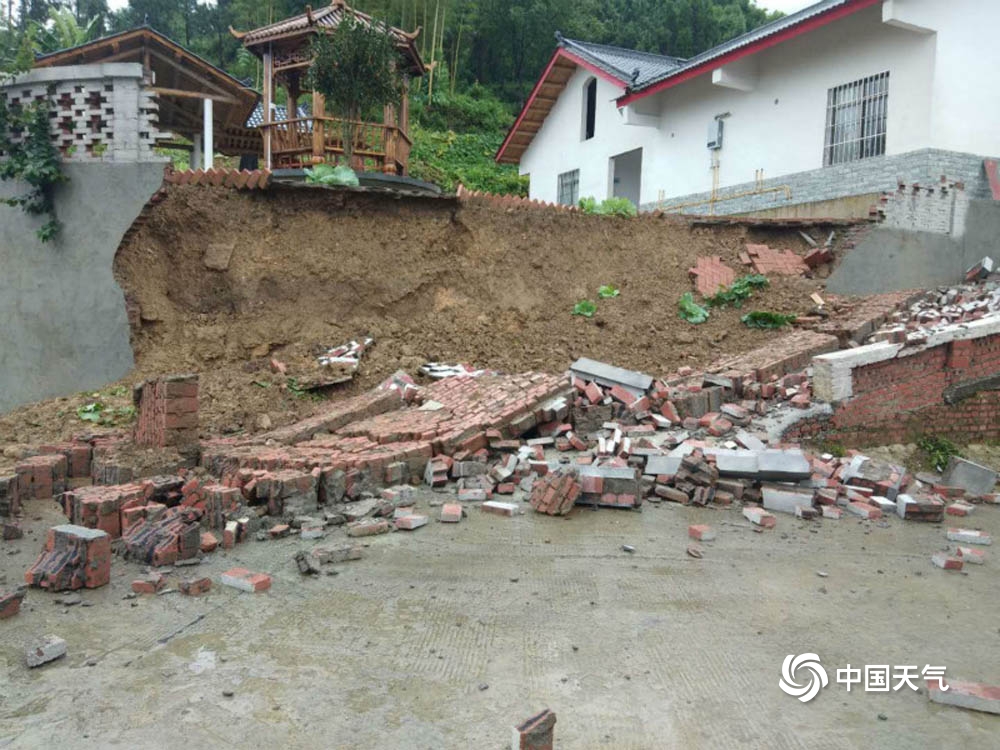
(181, 93)
(187, 72)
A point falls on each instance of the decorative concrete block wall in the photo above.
(101, 112)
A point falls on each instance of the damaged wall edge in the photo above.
(65, 327)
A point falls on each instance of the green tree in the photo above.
(61, 31)
(355, 68)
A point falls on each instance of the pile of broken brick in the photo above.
(601, 437)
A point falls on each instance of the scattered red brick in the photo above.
(711, 273)
(74, 557)
(767, 261)
(195, 586)
(10, 603)
(245, 580)
(555, 494)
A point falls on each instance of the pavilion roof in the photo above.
(329, 17)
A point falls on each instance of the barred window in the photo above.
(569, 188)
(855, 120)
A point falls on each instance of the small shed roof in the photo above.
(180, 78)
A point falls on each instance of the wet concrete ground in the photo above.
(446, 636)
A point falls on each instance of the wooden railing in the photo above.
(304, 141)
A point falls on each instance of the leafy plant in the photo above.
(90, 412)
(355, 68)
(690, 310)
(938, 450)
(737, 292)
(97, 412)
(765, 319)
(607, 291)
(585, 307)
(325, 174)
(609, 207)
(31, 157)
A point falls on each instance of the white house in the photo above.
(843, 98)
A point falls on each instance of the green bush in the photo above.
(608, 207)
(938, 451)
(475, 110)
(447, 158)
(585, 307)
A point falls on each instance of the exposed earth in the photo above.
(429, 280)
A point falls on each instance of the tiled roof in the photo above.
(330, 17)
(626, 65)
(757, 35)
(256, 118)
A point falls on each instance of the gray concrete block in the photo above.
(785, 499)
(662, 465)
(737, 463)
(971, 477)
(609, 375)
(783, 465)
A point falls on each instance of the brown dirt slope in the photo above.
(428, 279)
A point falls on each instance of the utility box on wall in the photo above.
(715, 134)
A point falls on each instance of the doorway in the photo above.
(626, 175)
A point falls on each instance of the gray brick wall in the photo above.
(873, 175)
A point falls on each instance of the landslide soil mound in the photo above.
(427, 279)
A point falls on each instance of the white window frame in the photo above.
(856, 118)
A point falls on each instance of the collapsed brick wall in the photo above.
(942, 390)
(167, 412)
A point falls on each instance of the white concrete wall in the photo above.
(944, 92)
(559, 146)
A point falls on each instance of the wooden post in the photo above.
(319, 136)
(404, 107)
(268, 75)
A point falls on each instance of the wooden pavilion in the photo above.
(300, 141)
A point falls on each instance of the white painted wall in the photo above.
(944, 92)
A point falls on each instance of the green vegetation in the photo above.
(765, 319)
(447, 158)
(31, 157)
(608, 291)
(834, 449)
(354, 67)
(690, 310)
(99, 413)
(485, 56)
(608, 207)
(738, 292)
(585, 307)
(325, 174)
(937, 451)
